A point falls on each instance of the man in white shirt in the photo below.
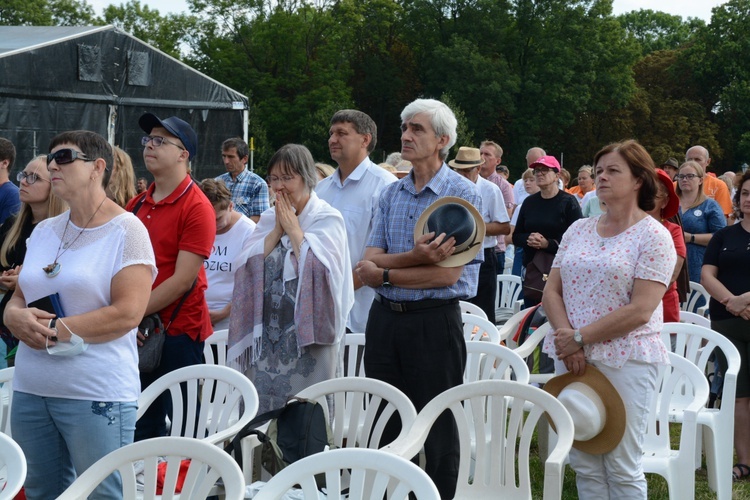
(354, 189)
(468, 161)
(519, 192)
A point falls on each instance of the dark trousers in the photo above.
(500, 258)
(179, 351)
(487, 289)
(422, 353)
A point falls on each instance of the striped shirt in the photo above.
(399, 209)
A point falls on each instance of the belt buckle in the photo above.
(397, 306)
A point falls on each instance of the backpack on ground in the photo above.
(295, 431)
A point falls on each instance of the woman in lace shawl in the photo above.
(292, 297)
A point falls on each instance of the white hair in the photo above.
(442, 119)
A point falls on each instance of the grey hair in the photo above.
(442, 119)
(362, 122)
(295, 159)
(393, 158)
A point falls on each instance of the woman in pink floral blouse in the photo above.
(603, 299)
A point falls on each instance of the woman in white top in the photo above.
(603, 299)
(76, 381)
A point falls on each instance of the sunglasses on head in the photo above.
(65, 156)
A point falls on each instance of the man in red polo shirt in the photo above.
(181, 224)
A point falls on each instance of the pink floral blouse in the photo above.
(598, 275)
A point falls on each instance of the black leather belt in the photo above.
(415, 305)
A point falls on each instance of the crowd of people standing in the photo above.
(264, 259)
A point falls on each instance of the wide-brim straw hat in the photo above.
(467, 158)
(596, 408)
(458, 218)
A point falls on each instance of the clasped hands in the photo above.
(425, 252)
(536, 240)
(568, 351)
(738, 305)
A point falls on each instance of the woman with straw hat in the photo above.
(602, 299)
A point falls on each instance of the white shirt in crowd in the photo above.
(493, 207)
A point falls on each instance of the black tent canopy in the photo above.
(102, 79)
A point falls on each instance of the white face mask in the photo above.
(73, 348)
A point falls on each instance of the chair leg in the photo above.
(719, 457)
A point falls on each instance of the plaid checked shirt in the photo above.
(249, 192)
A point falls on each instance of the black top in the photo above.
(729, 251)
(15, 255)
(550, 217)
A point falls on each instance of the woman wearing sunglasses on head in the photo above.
(37, 203)
(701, 216)
(76, 386)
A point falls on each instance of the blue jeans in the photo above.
(61, 438)
(179, 351)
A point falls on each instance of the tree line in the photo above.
(566, 75)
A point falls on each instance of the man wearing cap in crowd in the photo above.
(671, 167)
(181, 224)
(468, 162)
(353, 189)
(249, 190)
(712, 187)
(414, 332)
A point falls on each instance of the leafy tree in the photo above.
(46, 13)
(656, 30)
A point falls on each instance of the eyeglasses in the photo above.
(689, 177)
(284, 179)
(30, 178)
(542, 170)
(65, 156)
(157, 141)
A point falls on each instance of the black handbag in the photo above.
(535, 277)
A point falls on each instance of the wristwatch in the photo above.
(692, 238)
(578, 338)
(386, 282)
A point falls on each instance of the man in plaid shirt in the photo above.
(249, 191)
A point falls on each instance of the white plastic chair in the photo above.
(219, 391)
(217, 340)
(12, 467)
(695, 319)
(476, 328)
(6, 398)
(508, 329)
(374, 474)
(469, 308)
(358, 419)
(690, 305)
(508, 289)
(496, 410)
(676, 466)
(696, 343)
(527, 348)
(486, 361)
(354, 347)
(208, 463)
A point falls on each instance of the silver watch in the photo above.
(578, 338)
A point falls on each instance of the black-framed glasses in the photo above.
(157, 141)
(30, 178)
(689, 177)
(542, 170)
(65, 156)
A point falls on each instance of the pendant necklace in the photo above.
(53, 269)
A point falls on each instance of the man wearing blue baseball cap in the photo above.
(181, 224)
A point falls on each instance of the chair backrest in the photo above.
(375, 474)
(508, 329)
(680, 380)
(13, 461)
(469, 308)
(354, 349)
(527, 348)
(495, 409)
(508, 289)
(696, 343)
(208, 463)
(487, 361)
(215, 348)
(476, 328)
(205, 401)
(6, 398)
(691, 304)
(695, 319)
(361, 409)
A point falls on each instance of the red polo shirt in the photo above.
(184, 220)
